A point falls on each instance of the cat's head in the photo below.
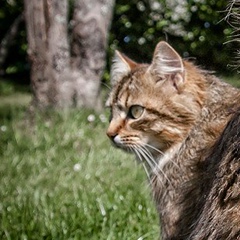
(151, 106)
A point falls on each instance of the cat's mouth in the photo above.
(119, 143)
(125, 143)
(117, 140)
(133, 143)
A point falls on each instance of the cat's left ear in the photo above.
(121, 67)
(167, 62)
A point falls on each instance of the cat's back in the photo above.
(220, 217)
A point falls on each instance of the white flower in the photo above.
(3, 128)
(103, 118)
(77, 167)
(91, 118)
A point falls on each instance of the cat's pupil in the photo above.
(135, 111)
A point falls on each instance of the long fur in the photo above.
(192, 163)
(219, 206)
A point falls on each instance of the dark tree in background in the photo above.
(8, 39)
(66, 70)
(12, 38)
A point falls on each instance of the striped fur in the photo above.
(181, 111)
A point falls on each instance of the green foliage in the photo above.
(60, 179)
(9, 87)
(6, 88)
(195, 29)
(16, 61)
(233, 80)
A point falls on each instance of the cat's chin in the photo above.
(123, 147)
(117, 143)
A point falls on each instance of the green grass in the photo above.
(61, 179)
(233, 80)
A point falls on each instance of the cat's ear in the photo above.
(121, 67)
(167, 62)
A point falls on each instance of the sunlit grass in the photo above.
(61, 179)
(18, 99)
(233, 80)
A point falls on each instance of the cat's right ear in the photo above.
(121, 67)
(167, 62)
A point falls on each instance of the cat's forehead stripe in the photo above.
(123, 89)
(119, 88)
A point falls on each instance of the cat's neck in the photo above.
(164, 158)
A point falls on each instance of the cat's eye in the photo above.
(135, 111)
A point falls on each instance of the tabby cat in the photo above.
(169, 114)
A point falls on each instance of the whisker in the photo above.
(146, 157)
(106, 85)
(159, 151)
(157, 169)
(143, 163)
(152, 147)
(143, 153)
(150, 161)
(136, 151)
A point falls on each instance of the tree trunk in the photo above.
(58, 79)
(92, 20)
(48, 50)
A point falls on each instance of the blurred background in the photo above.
(60, 179)
(195, 28)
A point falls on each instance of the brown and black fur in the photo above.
(170, 114)
(181, 201)
(220, 214)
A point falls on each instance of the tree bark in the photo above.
(48, 51)
(92, 20)
(61, 79)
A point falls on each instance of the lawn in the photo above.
(61, 178)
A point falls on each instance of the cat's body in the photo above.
(170, 113)
(220, 212)
(179, 202)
